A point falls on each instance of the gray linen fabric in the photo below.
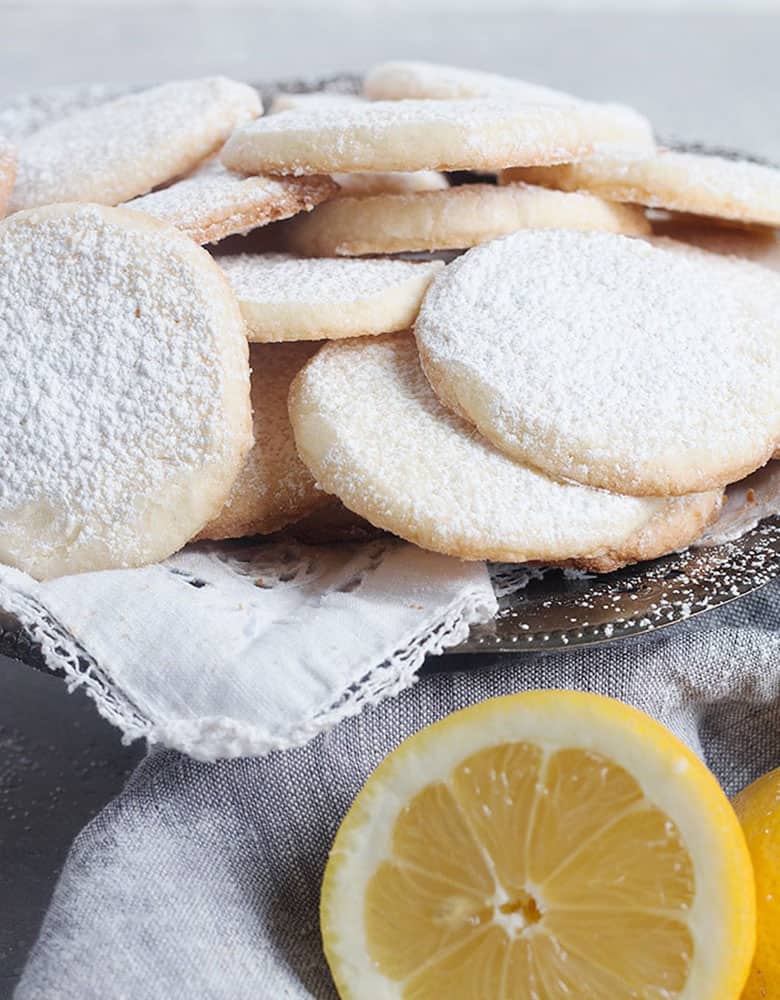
(201, 881)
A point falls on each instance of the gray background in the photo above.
(711, 77)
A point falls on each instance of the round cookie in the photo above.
(274, 487)
(417, 135)
(123, 148)
(125, 387)
(419, 80)
(459, 217)
(608, 360)
(402, 81)
(7, 174)
(684, 182)
(373, 433)
(285, 298)
(213, 202)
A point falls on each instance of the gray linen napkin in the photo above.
(201, 880)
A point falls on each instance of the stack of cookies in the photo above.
(487, 316)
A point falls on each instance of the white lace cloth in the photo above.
(229, 650)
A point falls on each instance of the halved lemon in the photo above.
(546, 846)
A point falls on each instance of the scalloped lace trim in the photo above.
(208, 738)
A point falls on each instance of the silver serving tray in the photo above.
(558, 611)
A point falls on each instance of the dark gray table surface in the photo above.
(59, 763)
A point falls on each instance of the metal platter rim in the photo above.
(717, 576)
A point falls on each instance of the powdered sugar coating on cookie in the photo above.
(214, 202)
(610, 361)
(458, 217)
(124, 384)
(283, 297)
(7, 174)
(683, 182)
(416, 135)
(368, 425)
(274, 487)
(420, 80)
(123, 148)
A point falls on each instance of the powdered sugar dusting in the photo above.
(610, 361)
(369, 426)
(275, 277)
(123, 148)
(214, 202)
(113, 381)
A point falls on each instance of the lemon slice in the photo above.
(546, 846)
(758, 808)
